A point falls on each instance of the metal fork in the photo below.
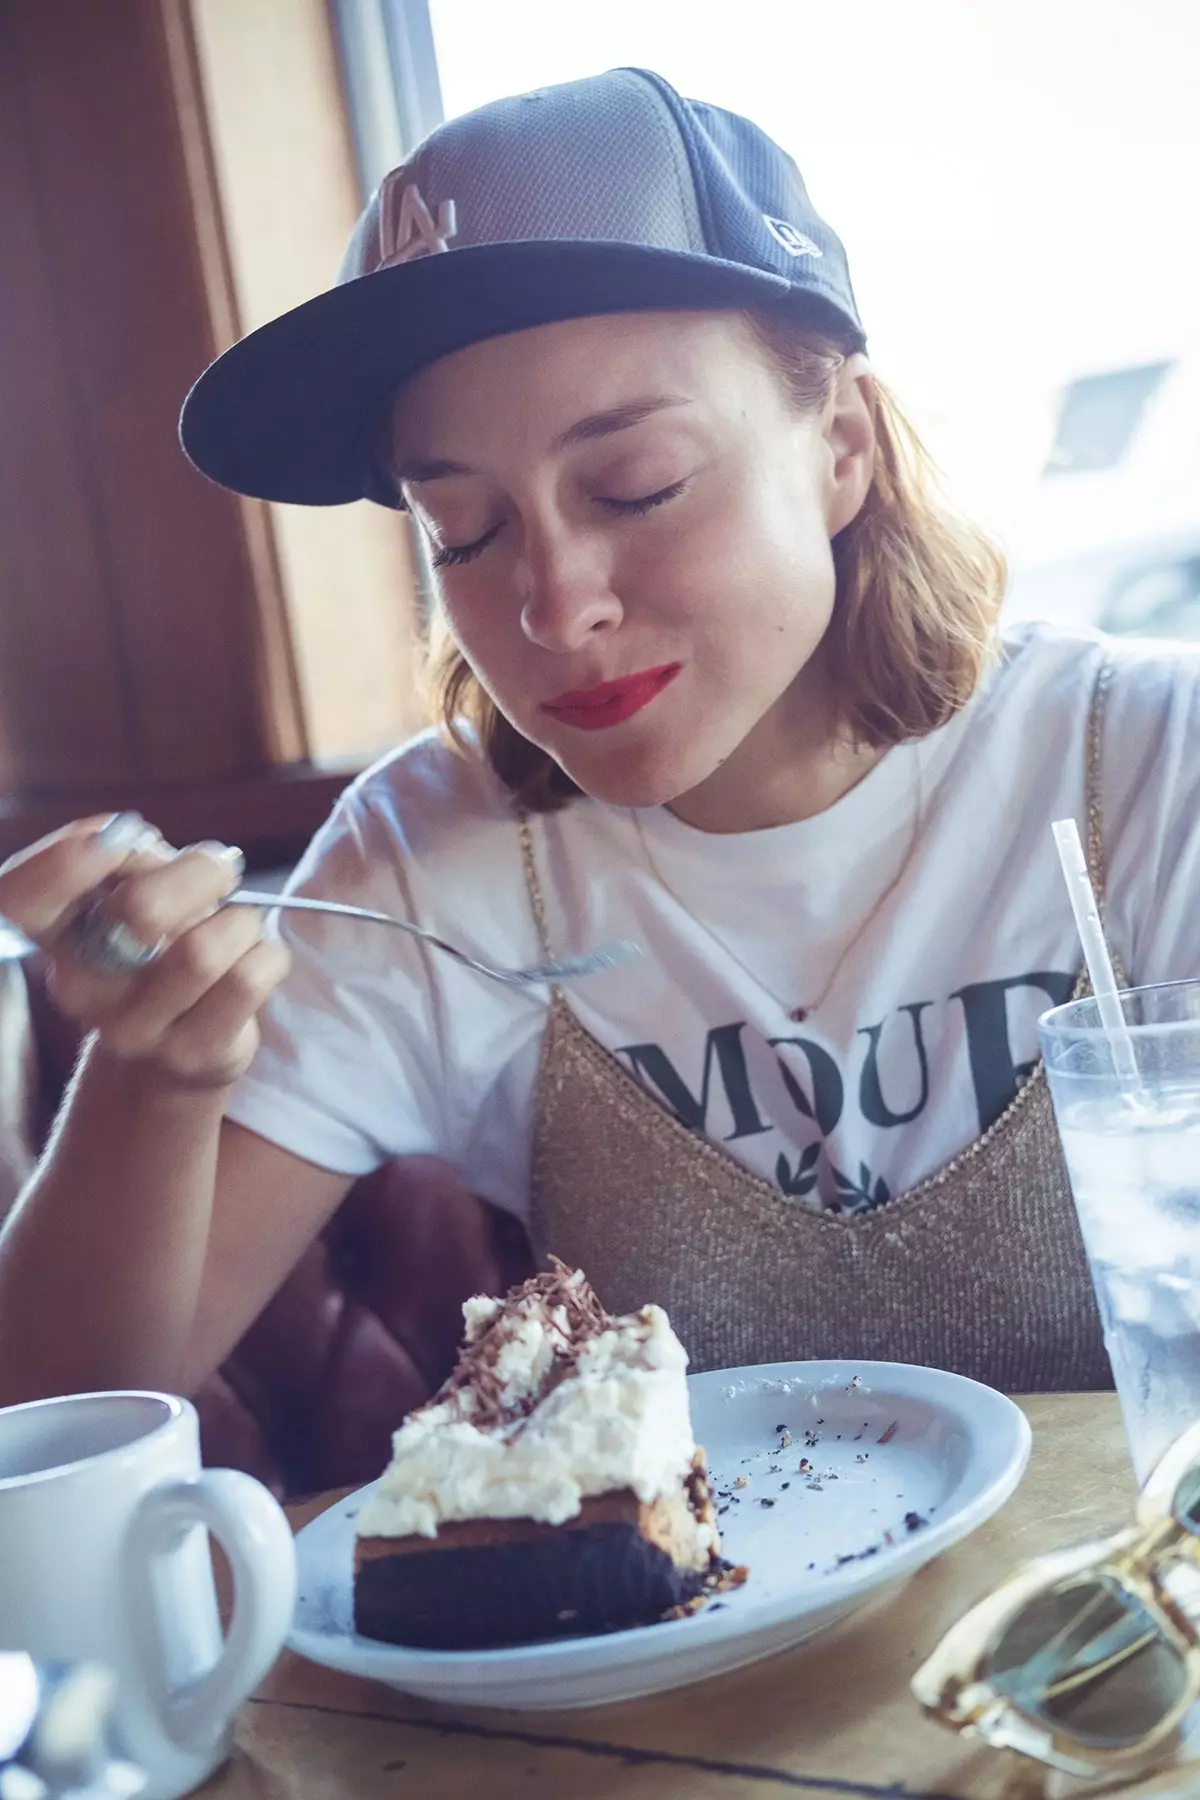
(571, 968)
(109, 945)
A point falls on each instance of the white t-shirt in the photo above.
(930, 893)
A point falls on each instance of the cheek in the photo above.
(749, 570)
(474, 613)
(487, 630)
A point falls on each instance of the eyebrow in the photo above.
(583, 431)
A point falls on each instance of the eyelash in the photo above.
(647, 502)
(453, 556)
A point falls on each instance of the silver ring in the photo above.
(108, 945)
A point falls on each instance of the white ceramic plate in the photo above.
(905, 1461)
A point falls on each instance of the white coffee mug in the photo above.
(104, 1557)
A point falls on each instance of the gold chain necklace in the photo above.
(799, 1013)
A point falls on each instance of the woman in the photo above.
(725, 680)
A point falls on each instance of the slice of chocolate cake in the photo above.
(551, 1488)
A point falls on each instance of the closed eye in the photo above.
(452, 556)
(645, 502)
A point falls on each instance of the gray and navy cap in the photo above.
(612, 194)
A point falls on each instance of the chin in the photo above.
(634, 778)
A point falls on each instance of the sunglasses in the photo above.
(1086, 1659)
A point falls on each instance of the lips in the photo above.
(611, 702)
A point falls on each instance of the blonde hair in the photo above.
(918, 590)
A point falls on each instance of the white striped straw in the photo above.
(1095, 950)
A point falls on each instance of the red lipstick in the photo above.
(611, 702)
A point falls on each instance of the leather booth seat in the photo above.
(364, 1328)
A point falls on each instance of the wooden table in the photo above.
(830, 1720)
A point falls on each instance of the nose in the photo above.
(566, 589)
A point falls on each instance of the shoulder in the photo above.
(1144, 696)
(1049, 678)
(1138, 672)
(1143, 692)
(424, 822)
(1038, 660)
(1058, 702)
(430, 807)
(1149, 772)
(1152, 682)
(430, 833)
(428, 791)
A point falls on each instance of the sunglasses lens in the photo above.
(1088, 1659)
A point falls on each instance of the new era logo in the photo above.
(407, 228)
(793, 241)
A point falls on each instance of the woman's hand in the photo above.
(187, 1014)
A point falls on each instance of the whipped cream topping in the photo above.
(552, 1401)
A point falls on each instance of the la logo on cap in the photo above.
(793, 241)
(408, 230)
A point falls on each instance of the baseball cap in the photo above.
(608, 194)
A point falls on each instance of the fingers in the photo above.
(42, 889)
(155, 901)
(215, 1040)
(136, 1010)
(190, 1005)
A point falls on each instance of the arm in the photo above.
(149, 1239)
(151, 1233)
(288, 1201)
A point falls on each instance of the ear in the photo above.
(849, 433)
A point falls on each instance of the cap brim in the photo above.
(287, 413)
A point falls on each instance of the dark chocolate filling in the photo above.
(565, 1583)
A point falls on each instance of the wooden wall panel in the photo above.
(271, 816)
(62, 689)
(132, 330)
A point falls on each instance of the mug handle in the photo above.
(250, 1526)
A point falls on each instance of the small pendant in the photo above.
(798, 1015)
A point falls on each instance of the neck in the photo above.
(794, 764)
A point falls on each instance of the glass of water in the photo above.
(1130, 1129)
